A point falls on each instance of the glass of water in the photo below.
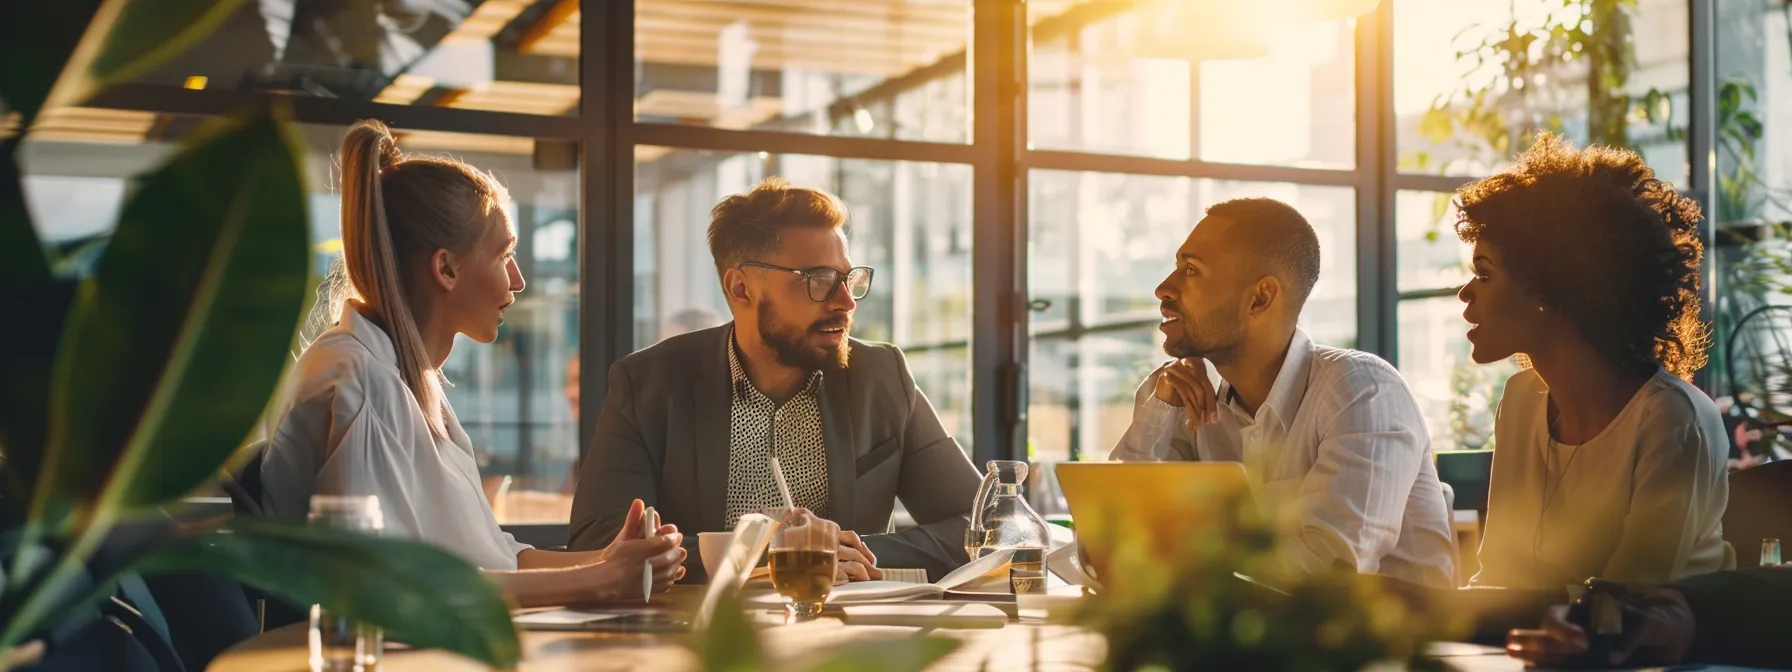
(339, 644)
(1770, 552)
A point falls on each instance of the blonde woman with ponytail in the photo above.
(428, 252)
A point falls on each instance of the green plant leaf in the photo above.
(61, 53)
(23, 265)
(150, 32)
(729, 644)
(420, 594)
(174, 346)
(905, 654)
(1729, 96)
(27, 350)
(36, 39)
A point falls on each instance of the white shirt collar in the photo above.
(375, 339)
(1289, 388)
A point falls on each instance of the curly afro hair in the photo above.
(1599, 239)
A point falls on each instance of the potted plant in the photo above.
(1175, 596)
(125, 390)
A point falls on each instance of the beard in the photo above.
(1214, 336)
(791, 342)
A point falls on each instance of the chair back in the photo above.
(1760, 507)
(1467, 472)
(244, 484)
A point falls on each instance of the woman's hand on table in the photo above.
(618, 574)
(1663, 636)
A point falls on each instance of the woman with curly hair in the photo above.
(1608, 462)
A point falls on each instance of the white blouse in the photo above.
(355, 429)
(1642, 501)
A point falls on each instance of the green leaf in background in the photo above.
(904, 654)
(420, 594)
(175, 345)
(36, 39)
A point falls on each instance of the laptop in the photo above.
(751, 537)
(1100, 493)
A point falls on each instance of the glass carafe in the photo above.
(1001, 518)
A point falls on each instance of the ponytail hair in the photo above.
(397, 211)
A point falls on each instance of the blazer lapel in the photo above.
(712, 404)
(837, 432)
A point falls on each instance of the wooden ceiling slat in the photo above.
(812, 41)
(763, 18)
(563, 12)
(814, 53)
(842, 66)
(838, 8)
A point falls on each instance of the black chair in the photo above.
(1760, 508)
(1468, 472)
(245, 489)
(244, 484)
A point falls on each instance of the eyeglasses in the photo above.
(824, 281)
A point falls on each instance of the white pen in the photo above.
(650, 522)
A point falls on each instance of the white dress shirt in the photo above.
(1340, 438)
(354, 428)
(1642, 501)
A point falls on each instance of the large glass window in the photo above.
(1475, 79)
(507, 55)
(1099, 245)
(1456, 395)
(509, 395)
(909, 220)
(1754, 171)
(888, 69)
(1120, 78)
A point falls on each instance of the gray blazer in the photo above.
(663, 438)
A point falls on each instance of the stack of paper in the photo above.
(926, 615)
(905, 575)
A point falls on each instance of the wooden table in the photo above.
(1017, 646)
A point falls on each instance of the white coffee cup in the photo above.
(712, 547)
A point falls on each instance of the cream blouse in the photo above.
(1642, 501)
(355, 429)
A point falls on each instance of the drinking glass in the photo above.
(339, 644)
(803, 561)
(1770, 552)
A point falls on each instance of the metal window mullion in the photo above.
(998, 269)
(1376, 168)
(1701, 155)
(606, 209)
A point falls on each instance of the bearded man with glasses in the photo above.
(690, 425)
